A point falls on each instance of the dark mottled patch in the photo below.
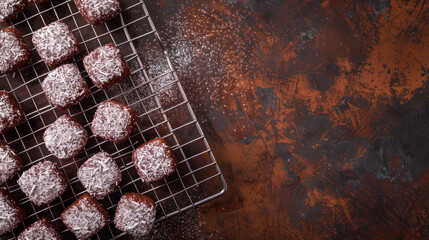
(282, 150)
(320, 82)
(380, 6)
(266, 96)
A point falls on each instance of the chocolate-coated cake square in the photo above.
(85, 217)
(9, 9)
(13, 51)
(98, 11)
(113, 121)
(11, 212)
(65, 137)
(42, 229)
(135, 214)
(55, 43)
(154, 160)
(10, 162)
(64, 86)
(106, 66)
(43, 183)
(11, 113)
(100, 175)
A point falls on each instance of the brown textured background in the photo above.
(317, 111)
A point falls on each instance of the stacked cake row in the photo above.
(64, 87)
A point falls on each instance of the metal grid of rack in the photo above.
(153, 90)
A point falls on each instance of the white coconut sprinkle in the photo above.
(97, 11)
(153, 160)
(55, 43)
(135, 215)
(64, 86)
(12, 50)
(65, 138)
(40, 230)
(9, 114)
(104, 65)
(83, 218)
(42, 183)
(10, 8)
(112, 121)
(100, 175)
(10, 163)
(9, 214)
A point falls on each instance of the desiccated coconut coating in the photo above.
(10, 162)
(42, 229)
(11, 113)
(42, 183)
(64, 86)
(55, 43)
(85, 217)
(100, 175)
(13, 51)
(113, 121)
(135, 214)
(9, 9)
(106, 66)
(65, 137)
(154, 160)
(11, 212)
(98, 11)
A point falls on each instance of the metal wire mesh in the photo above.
(153, 90)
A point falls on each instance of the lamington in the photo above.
(42, 229)
(100, 175)
(113, 121)
(55, 43)
(135, 214)
(106, 66)
(11, 212)
(42, 183)
(13, 51)
(154, 160)
(11, 113)
(64, 86)
(10, 162)
(85, 217)
(65, 137)
(98, 11)
(9, 9)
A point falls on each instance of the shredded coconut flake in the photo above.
(65, 138)
(83, 218)
(135, 215)
(13, 52)
(55, 43)
(100, 175)
(154, 160)
(64, 86)
(42, 183)
(10, 163)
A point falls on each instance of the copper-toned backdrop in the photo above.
(317, 111)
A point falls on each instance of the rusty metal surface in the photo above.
(317, 111)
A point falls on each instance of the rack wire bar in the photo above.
(153, 90)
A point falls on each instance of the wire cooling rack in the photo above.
(153, 90)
